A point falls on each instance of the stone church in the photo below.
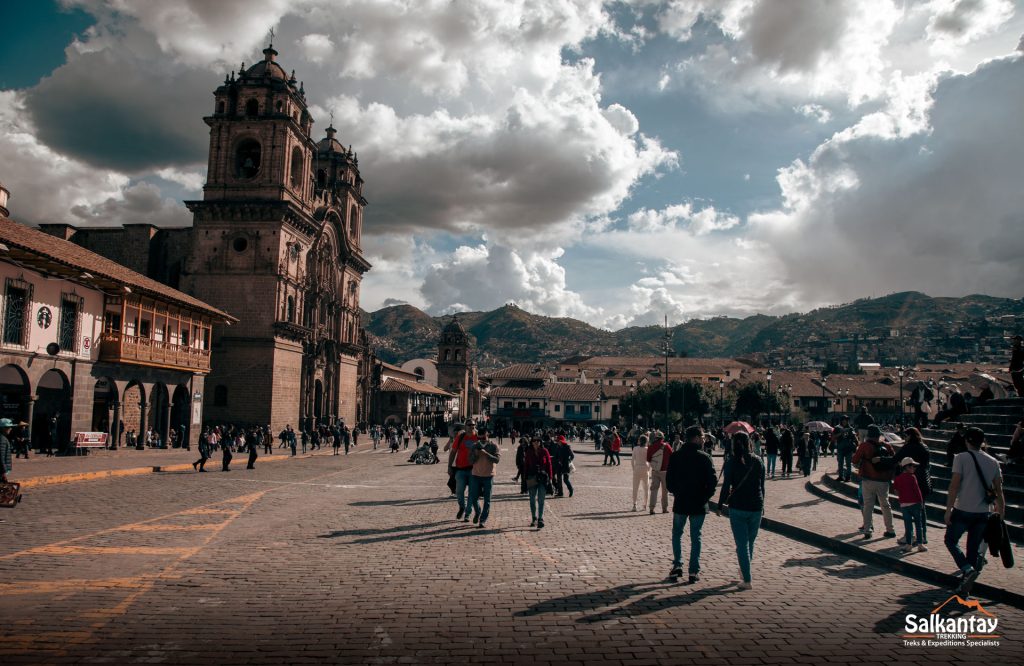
(275, 242)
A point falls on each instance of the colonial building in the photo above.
(277, 241)
(402, 397)
(87, 344)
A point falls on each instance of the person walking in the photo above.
(845, 440)
(204, 450)
(976, 488)
(6, 464)
(538, 473)
(863, 421)
(743, 493)
(606, 445)
(616, 447)
(803, 452)
(786, 445)
(485, 457)
(658, 455)
(520, 463)
(251, 443)
(346, 438)
(641, 469)
(692, 481)
(876, 465)
(462, 465)
(562, 463)
(911, 506)
(225, 461)
(772, 445)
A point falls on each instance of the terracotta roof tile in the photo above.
(394, 385)
(25, 243)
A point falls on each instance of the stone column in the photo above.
(115, 426)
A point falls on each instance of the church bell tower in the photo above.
(277, 243)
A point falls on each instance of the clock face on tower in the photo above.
(44, 318)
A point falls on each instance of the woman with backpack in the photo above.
(743, 493)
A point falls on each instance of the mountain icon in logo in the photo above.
(972, 605)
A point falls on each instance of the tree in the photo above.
(689, 401)
(754, 399)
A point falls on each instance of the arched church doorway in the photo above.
(180, 412)
(51, 419)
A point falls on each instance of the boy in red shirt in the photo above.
(911, 505)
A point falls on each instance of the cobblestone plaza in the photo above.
(359, 559)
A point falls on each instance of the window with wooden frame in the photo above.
(17, 312)
(70, 324)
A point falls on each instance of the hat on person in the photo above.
(561, 439)
(6, 423)
(874, 432)
(908, 461)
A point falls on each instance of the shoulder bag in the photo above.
(990, 494)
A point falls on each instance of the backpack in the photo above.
(886, 461)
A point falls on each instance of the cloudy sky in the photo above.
(610, 161)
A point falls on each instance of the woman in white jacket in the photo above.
(641, 469)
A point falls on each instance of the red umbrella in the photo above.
(739, 426)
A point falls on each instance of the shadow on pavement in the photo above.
(371, 532)
(835, 565)
(797, 505)
(655, 604)
(594, 600)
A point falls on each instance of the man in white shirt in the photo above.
(977, 485)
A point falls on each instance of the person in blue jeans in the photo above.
(743, 493)
(538, 472)
(771, 448)
(976, 486)
(692, 480)
(485, 456)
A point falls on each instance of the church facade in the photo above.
(275, 242)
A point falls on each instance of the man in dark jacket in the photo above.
(561, 457)
(691, 479)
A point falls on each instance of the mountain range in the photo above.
(510, 334)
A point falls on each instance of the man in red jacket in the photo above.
(658, 455)
(463, 466)
(876, 465)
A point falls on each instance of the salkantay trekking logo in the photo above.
(976, 629)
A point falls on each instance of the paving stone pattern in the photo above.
(358, 559)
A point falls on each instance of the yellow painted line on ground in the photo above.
(71, 584)
(171, 528)
(113, 550)
(56, 479)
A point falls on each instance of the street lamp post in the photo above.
(902, 412)
(824, 405)
(668, 348)
(721, 403)
(769, 397)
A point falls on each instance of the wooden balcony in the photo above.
(121, 348)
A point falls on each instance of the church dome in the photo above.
(329, 144)
(268, 67)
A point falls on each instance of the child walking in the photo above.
(912, 506)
